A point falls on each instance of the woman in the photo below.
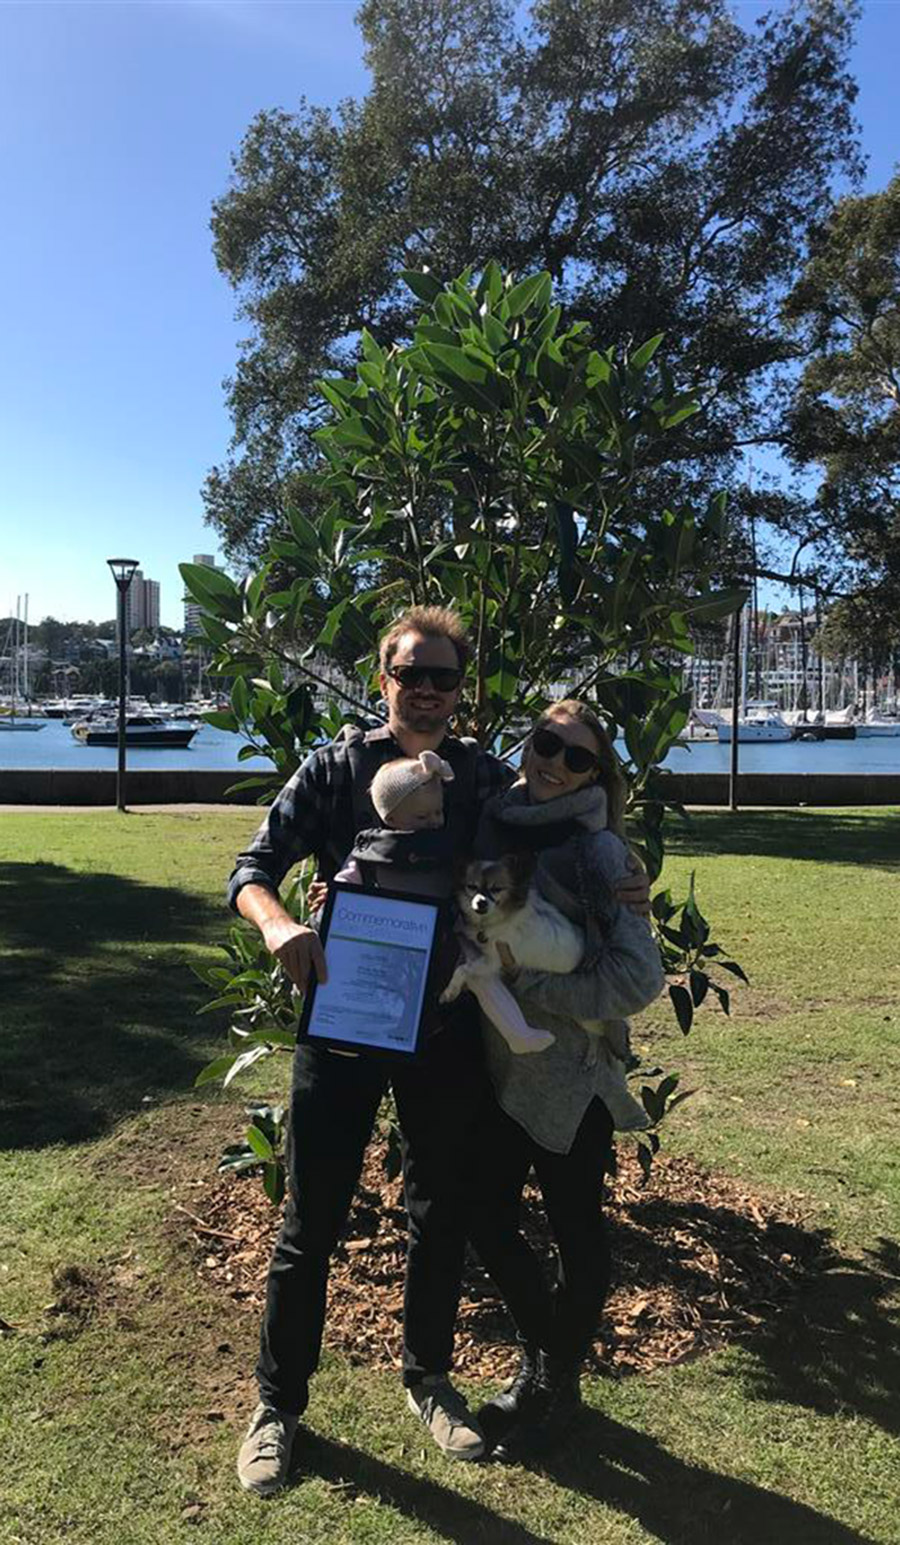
(549, 1113)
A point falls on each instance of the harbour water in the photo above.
(55, 747)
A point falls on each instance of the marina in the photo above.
(212, 749)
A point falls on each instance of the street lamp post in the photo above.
(123, 573)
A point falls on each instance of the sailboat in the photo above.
(758, 720)
(9, 722)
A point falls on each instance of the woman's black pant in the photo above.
(562, 1320)
(334, 1103)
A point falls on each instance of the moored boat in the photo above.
(762, 721)
(149, 730)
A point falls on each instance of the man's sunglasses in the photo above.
(442, 677)
(578, 759)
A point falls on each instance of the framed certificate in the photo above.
(379, 950)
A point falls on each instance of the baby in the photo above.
(411, 850)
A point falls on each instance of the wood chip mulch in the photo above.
(698, 1260)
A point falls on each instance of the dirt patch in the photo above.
(698, 1260)
(78, 1294)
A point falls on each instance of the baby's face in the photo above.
(422, 810)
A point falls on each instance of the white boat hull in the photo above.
(754, 732)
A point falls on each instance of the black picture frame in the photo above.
(438, 908)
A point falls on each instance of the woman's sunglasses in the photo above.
(442, 677)
(578, 759)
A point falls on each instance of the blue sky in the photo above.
(117, 123)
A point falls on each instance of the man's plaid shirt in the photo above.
(314, 813)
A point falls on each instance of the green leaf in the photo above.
(495, 333)
(722, 604)
(245, 1060)
(523, 294)
(734, 968)
(215, 630)
(373, 351)
(372, 375)
(723, 996)
(274, 1183)
(642, 356)
(455, 360)
(680, 407)
(424, 286)
(684, 1008)
(699, 987)
(215, 1070)
(220, 719)
(240, 699)
(214, 591)
(260, 1144)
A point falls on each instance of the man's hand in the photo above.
(297, 948)
(633, 890)
(317, 894)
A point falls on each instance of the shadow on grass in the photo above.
(838, 1347)
(822, 1329)
(441, 1509)
(676, 1502)
(682, 1503)
(97, 1011)
(870, 838)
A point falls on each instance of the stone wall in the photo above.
(90, 786)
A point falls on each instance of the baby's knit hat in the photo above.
(395, 780)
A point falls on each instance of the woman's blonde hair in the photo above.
(609, 772)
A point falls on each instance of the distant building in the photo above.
(193, 612)
(142, 604)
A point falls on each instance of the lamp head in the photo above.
(123, 570)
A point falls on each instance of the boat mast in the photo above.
(25, 692)
(745, 658)
(14, 674)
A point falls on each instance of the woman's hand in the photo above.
(317, 894)
(633, 890)
(508, 962)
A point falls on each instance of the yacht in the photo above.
(877, 724)
(760, 721)
(141, 729)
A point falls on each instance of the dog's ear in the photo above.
(460, 869)
(521, 866)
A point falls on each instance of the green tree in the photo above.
(661, 163)
(845, 419)
(491, 464)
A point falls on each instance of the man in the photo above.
(335, 1098)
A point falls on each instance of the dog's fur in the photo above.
(499, 904)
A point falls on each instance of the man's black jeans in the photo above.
(334, 1102)
(562, 1321)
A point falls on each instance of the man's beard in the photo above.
(421, 722)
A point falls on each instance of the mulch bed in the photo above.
(698, 1260)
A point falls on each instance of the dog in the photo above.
(505, 921)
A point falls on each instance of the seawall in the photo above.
(151, 786)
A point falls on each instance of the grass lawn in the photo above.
(121, 1408)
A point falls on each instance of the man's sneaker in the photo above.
(447, 1417)
(265, 1453)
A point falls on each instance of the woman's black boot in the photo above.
(544, 1413)
(498, 1415)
